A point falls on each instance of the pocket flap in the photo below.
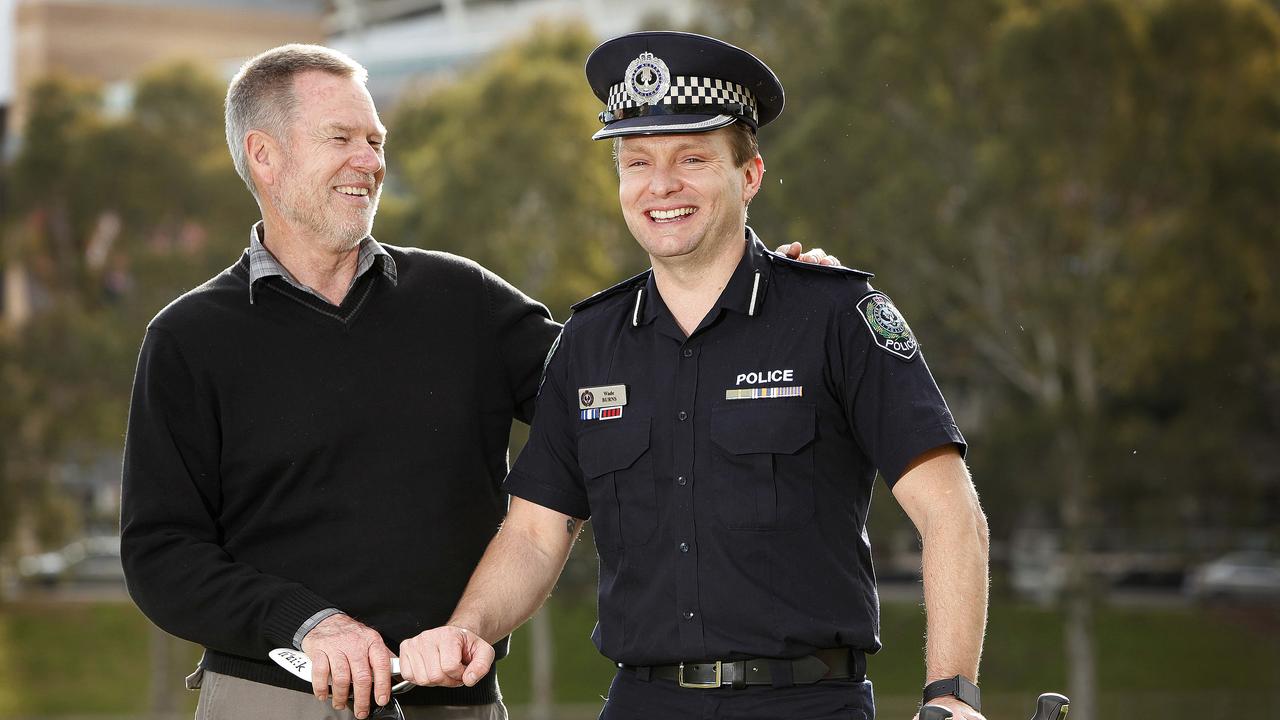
(615, 445)
(756, 426)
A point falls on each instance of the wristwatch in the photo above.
(959, 686)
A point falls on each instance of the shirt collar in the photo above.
(262, 264)
(744, 293)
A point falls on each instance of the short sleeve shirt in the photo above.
(727, 474)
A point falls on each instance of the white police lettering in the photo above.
(766, 376)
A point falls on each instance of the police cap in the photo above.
(655, 83)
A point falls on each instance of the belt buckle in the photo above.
(713, 684)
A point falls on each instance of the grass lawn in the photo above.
(92, 658)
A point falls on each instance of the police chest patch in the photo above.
(888, 328)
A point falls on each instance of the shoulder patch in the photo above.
(888, 328)
(628, 284)
(833, 269)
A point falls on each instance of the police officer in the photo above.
(721, 419)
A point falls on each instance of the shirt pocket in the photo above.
(762, 464)
(618, 469)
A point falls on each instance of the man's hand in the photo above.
(959, 710)
(445, 656)
(817, 256)
(352, 657)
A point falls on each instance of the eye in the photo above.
(339, 138)
(692, 160)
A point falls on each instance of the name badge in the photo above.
(602, 396)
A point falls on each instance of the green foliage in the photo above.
(499, 167)
(111, 218)
(1074, 202)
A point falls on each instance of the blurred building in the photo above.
(408, 44)
(112, 41)
(6, 68)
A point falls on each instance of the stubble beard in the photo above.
(338, 229)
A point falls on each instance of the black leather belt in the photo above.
(832, 664)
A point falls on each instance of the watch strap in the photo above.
(960, 686)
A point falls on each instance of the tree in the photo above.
(113, 217)
(499, 167)
(1035, 177)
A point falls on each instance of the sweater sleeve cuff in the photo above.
(291, 612)
(311, 622)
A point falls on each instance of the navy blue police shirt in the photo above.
(727, 474)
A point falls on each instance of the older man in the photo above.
(721, 419)
(313, 410)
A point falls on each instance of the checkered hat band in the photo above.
(691, 92)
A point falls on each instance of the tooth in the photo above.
(670, 214)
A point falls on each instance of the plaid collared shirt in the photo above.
(262, 264)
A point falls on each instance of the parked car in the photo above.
(1238, 575)
(89, 560)
(43, 569)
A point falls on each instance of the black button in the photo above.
(688, 352)
(683, 415)
(684, 547)
(688, 615)
(681, 481)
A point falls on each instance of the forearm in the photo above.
(177, 569)
(518, 571)
(192, 589)
(955, 561)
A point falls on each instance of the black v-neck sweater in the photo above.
(288, 456)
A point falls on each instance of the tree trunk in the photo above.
(1078, 626)
(164, 683)
(1082, 672)
(542, 658)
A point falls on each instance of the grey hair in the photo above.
(261, 95)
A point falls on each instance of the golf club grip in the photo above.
(934, 712)
(1051, 706)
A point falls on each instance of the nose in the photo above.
(367, 159)
(664, 181)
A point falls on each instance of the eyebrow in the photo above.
(700, 147)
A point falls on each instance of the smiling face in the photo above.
(683, 196)
(331, 174)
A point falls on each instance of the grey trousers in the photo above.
(223, 697)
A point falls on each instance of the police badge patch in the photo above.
(888, 328)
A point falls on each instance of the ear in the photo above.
(265, 157)
(753, 176)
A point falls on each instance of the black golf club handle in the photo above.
(934, 712)
(1051, 706)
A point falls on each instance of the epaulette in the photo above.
(629, 284)
(836, 269)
